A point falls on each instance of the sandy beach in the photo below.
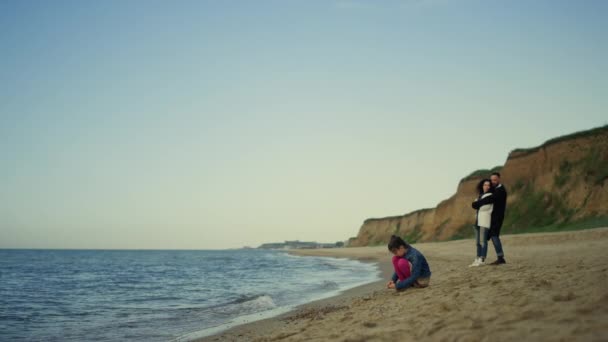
(554, 287)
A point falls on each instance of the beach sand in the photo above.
(554, 287)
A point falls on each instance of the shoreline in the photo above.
(566, 270)
(239, 331)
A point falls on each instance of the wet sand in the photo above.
(554, 287)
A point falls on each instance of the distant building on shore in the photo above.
(297, 244)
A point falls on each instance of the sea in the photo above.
(158, 295)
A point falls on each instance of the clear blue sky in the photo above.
(216, 124)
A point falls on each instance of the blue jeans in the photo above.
(481, 238)
(497, 245)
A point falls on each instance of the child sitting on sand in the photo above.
(411, 267)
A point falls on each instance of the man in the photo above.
(499, 199)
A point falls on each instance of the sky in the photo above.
(222, 124)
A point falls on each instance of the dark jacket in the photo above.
(420, 269)
(499, 199)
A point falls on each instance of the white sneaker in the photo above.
(475, 262)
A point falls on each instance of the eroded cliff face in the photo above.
(564, 180)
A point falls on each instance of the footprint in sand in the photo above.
(282, 336)
(564, 298)
(530, 314)
(437, 325)
(445, 307)
(476, 324)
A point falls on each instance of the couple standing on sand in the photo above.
(490, 206)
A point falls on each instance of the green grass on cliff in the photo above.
(595, 166)
(586, 223)
(481, 173)
(536, 209)
(542, 211)
(587, 133)
(562, 177)
(414, 235)
(467, 231)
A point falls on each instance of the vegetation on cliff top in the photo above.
(467, 231)
(535, 210)
(481, 173)
(396, 216)
(542, 211)
(520, 152)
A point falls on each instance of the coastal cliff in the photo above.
(561, 182)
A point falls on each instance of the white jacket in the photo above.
(484, 215)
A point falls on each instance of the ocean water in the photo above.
(114, 295)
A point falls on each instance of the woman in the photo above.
(482, 223)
